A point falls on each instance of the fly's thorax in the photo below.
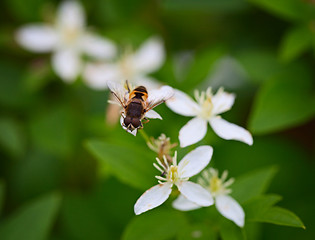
(139, 93)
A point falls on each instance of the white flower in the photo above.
(131, 66)
(225, 204)
(206, 109)
(68, 39)
(179, 174)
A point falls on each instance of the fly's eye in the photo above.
(127, 121)
(135, 122)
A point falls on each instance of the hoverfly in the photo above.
(138, 103)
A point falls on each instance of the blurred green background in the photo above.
(55, 184)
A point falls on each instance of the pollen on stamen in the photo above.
(165, 161)
(157, 167)
(205, 174)
(161, 164)
(175, 159)
(161, 178)
(196, 93)
(228, 182)
(209, 92)
(224, 175)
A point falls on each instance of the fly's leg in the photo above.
(140, 126)
(145, 120)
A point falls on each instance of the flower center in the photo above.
(172, 174)
(204, 100)
(126, 64)
(70, 35)
(215, 184)
(206, 109)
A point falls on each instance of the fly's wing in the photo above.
(158, 96)
(119, 91)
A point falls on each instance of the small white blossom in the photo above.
(67, 38)
(134, 66)
(218, 187)
(178, 175)
(206, 109)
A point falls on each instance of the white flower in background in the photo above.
(206, 109)
(189, 166)
(67, 38)
(218, 187)
(134, 66)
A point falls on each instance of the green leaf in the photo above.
(200, 231)
(288, 9)
(252, 184)
(38, 76)
(204, 5)
(25, 12)
(257, 206)
(260, 64)
(32, 221)
(280, 216)
(2, 192)
(284, 101)
(230, 231)
(11, 87)
(295, 42)
(104, 211)
(35, 175)
(201, 66)
(11, 137)
(54, 130)
(88, 222)
(128, 162)
(155, 225)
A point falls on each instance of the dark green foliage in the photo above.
(66, 173)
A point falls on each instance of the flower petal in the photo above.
(37, 37)
(195, 193)
(222, 101)
(182, 104)
(98, 47)
(96, 76)
(229, 131)
(153, 197)
(230, 209)
(195, 161)
(67, 64)
(192, 132)
(70, 15)
(150, 56)
(183, 204)
(153, 114)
